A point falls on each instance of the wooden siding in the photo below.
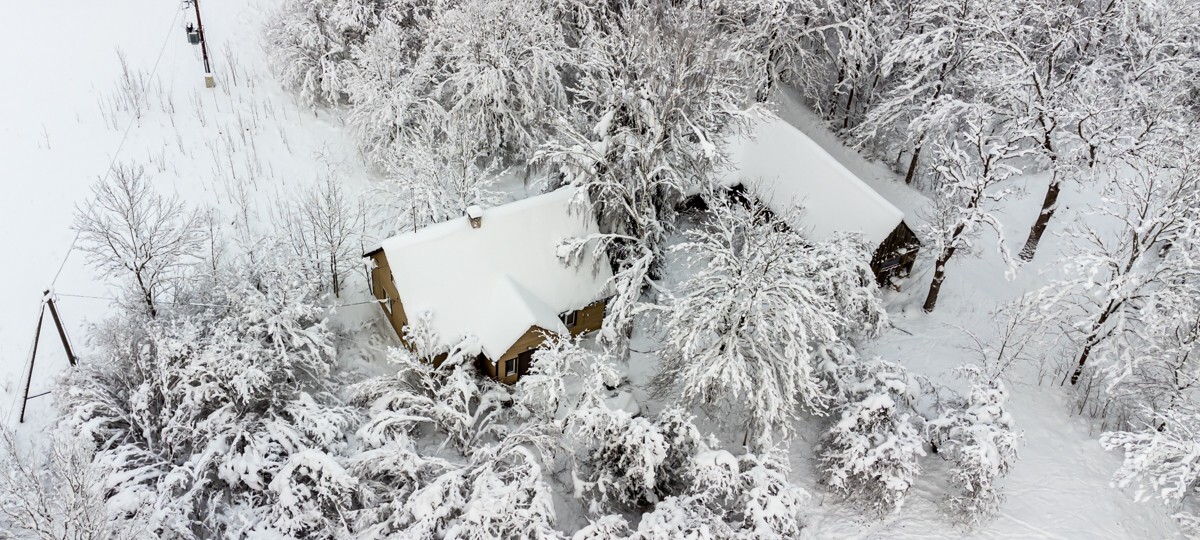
(896, 255)
(384, 289)
(587, 319)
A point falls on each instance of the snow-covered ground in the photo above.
(65, 113)
(1060, 487)
(61, 125)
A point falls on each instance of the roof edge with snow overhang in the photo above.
(496, 280)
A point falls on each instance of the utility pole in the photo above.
(47, 301)
(37, 335)
(209, 81)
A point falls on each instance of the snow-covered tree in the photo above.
(978, 436)
(929, 71)
(500, 77)
(870, 452)
(130, 231)
(211, 400)
(1161, 461)
(1115, 276)
(653, 96)
(54, 492)
(972, 176)
(310, 43)
(741, 333)
(312, 492)
(426, 186)
(324, 228)
(1037, 57)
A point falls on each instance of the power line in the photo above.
(198, 304)
(124, 137)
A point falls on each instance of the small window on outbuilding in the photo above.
(510, 367)
(570, 318)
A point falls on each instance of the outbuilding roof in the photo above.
(496, 281)
(784, 168)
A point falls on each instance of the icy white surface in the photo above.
(784, 168)
(497, 281)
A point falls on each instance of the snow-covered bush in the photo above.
(53, 491)
(623, 462)
(842, 275)
(747, 497)
(500, 493)
(870, 451)
(978, 436)
(1161, 461)
(751, 493)
(618, 458)
(450, 396)
(312, 493)
(211, 400)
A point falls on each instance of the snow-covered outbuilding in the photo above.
(783, 168)
(493, 279)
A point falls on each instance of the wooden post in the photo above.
(37, 334)
(62, 334)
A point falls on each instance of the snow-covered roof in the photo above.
(784, 168)
(497, 281)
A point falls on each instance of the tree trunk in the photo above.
(912, 165)
(1049, 205)
(939, 275)
(146, 296)
(849, 107)
(1091, 342)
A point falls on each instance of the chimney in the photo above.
(475, 213)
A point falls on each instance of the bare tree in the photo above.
(56, 494)
(324, 228)
(128, 229)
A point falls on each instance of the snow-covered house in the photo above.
(783, 168)
(493, 278)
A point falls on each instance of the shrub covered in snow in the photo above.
(979, 437)
(1161, 461)
(312, 493)
(500, 493)
(449, 396)
(747, 497)
(212, 399)
(870, 452)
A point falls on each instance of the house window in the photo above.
(569, 318)
(510, 367)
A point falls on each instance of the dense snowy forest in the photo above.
(743, 381)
